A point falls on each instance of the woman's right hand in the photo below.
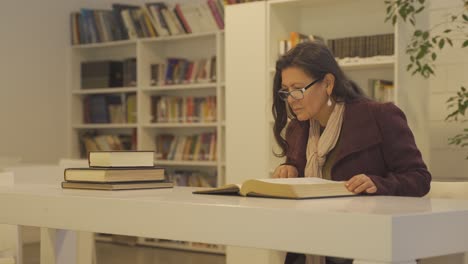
(285, 171)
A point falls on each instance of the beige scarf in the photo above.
(317, 150)
(319, 146)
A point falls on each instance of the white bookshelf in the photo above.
(252, 48)
(148, 51)
(105, 90)
(329, 19)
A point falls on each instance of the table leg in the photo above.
(67, 247)
(19, 245)
(58, 246)
(356, 261)
(86, 248)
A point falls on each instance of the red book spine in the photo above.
(216, 15)
(182, 18)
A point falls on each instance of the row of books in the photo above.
(192, 178)
(178, 109)
(199, 147)
(108, 73)
(294, 39)
(91, 141)
(114, 109)
(117, 170)
(361, 46)
(156, 19)
(179, 70)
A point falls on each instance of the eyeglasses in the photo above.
(296, 94)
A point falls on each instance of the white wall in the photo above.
(451, 73)
(33, 51)
(33, 73)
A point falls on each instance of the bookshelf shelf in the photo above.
(179, 125)
(105, 44)
(104, 126)
(188, 163)
(178, 87)
(364, 64)
(180, 37)
(381, 62)
(105, 91)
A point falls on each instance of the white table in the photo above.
(367, 229)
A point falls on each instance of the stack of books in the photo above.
(117, 170)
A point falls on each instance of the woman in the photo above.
(337, 133)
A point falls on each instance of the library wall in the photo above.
(34, 68)
(451, 68)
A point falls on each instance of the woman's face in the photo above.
(315, 97)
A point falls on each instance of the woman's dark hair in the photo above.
(316, 60)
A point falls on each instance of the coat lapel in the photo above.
(359, 130)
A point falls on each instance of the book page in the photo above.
(308, 180)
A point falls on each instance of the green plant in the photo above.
(460, 103)
(425, 44)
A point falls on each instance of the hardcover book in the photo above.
(116, 186)
(114, 174)
(289, 188)
(121, 159)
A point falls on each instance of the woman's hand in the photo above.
(361, 183)
(285, 171)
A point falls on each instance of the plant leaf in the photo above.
(441, 43)
(465, 43)
(425, 35)
(449, 42)
(419, 10)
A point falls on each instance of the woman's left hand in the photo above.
(361, 183)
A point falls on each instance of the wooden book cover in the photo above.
(290, 188)
(121, 158)
(116, 186)
(114, 174)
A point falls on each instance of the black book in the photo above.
(117, 9)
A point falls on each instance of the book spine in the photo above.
(182, 19)
(215, 13)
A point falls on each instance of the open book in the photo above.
(291, 188)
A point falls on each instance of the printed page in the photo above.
(308, 180)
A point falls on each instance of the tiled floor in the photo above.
(108, 253)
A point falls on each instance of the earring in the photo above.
(329, 103)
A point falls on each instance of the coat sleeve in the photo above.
(297, 134)
(407, 173)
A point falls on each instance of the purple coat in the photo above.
(376, 141)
